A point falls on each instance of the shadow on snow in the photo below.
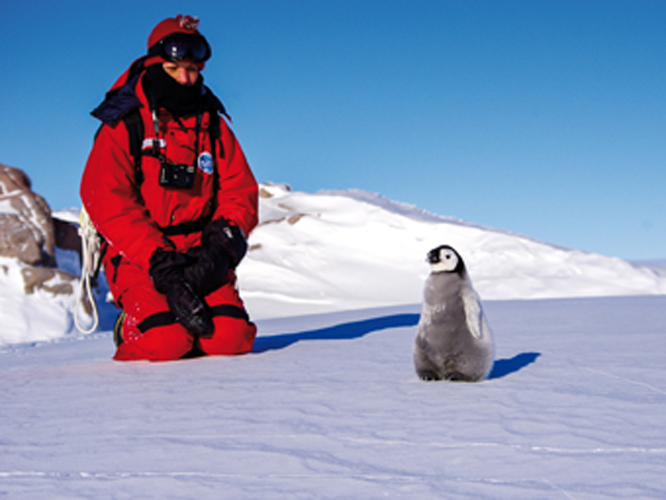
(504, 367)
(351, 330)
(356, 329)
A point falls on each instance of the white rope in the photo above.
(90, 257)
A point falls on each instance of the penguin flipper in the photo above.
(476, 321)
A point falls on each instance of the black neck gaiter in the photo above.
(164, 91)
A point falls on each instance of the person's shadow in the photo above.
(353, 330)
(356, 329)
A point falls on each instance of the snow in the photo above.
(342, 250)
(339, 250)
(20, 321)
(328, 405)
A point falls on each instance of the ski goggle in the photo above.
(182, 46)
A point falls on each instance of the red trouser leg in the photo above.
(234, 333)
(164, 341)
(232, 336)
(151, 333)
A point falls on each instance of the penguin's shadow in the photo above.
(356, 329)
(353, 330)
(503, 367)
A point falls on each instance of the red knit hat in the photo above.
(178, 24)
(171, 25)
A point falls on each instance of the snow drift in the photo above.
(344, 250)
(341, 250)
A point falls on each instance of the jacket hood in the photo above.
(122, 98)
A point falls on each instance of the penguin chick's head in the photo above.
(444, 259)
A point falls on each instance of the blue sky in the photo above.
(544, 118)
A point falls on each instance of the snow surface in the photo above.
(31, 317)
(328, 405)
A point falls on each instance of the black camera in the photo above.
(177, 175)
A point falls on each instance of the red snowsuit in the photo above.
(130, 214)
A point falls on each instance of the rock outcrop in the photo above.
(30, 234)
(26, 227)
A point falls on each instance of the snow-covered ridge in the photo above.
(338, 250)
(344, 250)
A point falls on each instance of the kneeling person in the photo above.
(170, 191)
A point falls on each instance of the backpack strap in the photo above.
(215, 137)
(135, 131)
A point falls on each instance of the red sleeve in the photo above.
(111, 199)
(237, 197)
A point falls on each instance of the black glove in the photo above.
(189, 309)
(223, 235)
(222, 247)
(167, 270)
(208, 272)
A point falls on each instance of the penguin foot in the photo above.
(458, 377)
(429, 376)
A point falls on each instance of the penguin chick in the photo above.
(453, 340)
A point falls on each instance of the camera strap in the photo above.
(156, 147)
(140, 145)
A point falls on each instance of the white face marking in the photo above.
(448, 261)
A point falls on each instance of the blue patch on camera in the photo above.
(205, 162)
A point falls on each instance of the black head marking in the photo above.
(435, 257)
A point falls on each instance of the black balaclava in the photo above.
(164, 91)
